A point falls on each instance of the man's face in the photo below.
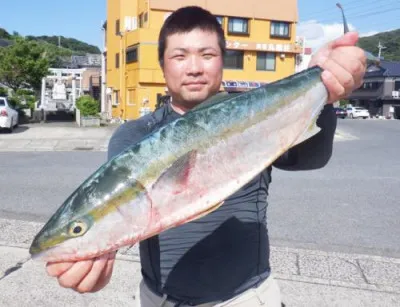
(192, 67)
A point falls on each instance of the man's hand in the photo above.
(83, 276)
(344, 66)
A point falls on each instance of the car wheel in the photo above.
(365, 117)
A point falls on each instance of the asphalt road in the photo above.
(351, 205)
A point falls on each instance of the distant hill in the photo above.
(390, 40)
(70, 46)
(76, 46)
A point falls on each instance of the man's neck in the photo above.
(179, 108)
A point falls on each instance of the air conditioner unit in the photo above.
(396, 94)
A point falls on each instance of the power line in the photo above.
(354, 9)
(351, 18)
(332, 8)
(387, 24)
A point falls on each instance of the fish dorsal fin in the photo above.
(217, 98)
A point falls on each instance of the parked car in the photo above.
(357, 112)
(8, 115)
(340, 112)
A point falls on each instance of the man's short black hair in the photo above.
(185, 20)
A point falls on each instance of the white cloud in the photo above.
(317, 34)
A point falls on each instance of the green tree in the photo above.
(23, 65)
(391, 41)
(4, 34)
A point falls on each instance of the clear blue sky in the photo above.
(364, 15)
(82, 19)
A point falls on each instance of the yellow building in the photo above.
(261, 47)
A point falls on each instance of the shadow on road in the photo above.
(19, 129)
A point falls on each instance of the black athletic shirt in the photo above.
(226, 252)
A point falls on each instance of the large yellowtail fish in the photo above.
(184, 170)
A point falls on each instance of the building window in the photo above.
(233, 59)
(371, 85)
(141, 20)
(397, 85)
(266, 61)
(132, 55)
(116, 98)
(131, 97)
(117, 27)
(238, 26)
(220, 20)
(280, 29)
(117, 60)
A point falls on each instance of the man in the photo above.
(221, 259)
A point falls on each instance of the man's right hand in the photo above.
(83, 276)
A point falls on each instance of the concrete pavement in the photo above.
(306, 277)
(69, 137)
(53, 137)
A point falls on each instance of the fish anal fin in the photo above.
(312, 130)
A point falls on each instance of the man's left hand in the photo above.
(344, 66)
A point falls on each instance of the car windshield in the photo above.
(359, 108)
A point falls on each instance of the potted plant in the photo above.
(87, 111)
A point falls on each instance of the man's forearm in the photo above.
(315, 152)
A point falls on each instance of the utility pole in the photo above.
(59, 41)
(380, 47)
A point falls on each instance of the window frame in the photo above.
(130, 49)
(117, 60)
(242, 59)
(117, 27)
(277, 35)
(265, 54)
(230, 26)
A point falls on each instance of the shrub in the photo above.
(88, 106)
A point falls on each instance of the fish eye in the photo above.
(77, 229)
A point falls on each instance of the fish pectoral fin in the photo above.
(178, 174)
(312, 130)
(208, 211)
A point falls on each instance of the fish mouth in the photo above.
(37, 253)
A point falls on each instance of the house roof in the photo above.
(4, 43)
(385, 69)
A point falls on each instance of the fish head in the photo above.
(54, 239)
(94, 220)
